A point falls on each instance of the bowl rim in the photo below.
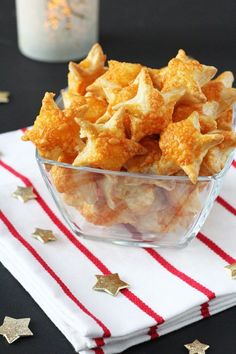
(217, 176)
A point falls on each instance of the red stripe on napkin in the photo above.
(188, 280)
(234, 163)
(215, 248)
(53, 275)
(99, 341)
(170, 268)
(98, 263)
(205, 310)
(98, 351)
(226, 205)
(153, 332)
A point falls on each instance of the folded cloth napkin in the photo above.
(168, 288)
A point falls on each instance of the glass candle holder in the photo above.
(56, 30)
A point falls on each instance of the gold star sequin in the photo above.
(4, 96)
(12, 328)
(24, 194)
(44, 236)
(232, 269)
(197, 347)
(111, 284)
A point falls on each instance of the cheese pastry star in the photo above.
(183, 111)
(118, 75)
(232, 269)
(216, 157)
(150, 110)
(158, 76)
(220, 90)
(224, 120)
(110, 283)
(107, 146)
(202, 73)
(146, 163)
(83, 74)
(12, 328)
(184, 145)
(54, 130)
(89, 107)
(197, 347)
(188, 73)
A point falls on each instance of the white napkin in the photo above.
(168, 288)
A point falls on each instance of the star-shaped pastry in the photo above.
(225, 119)
(4, 96)
(111, 284)
(89, 107)
(150, 110)
(83, 74)
(232, 269)
(115, 95)
(221, 91)
(45, 134)
(183, 111)
(118, 75)
(203, 73)
(146, 163)
(183, 144)
(216, 157)
(197, 347)
(44, 236)
(186, 72)
(107, 146)
(24, 194)
(12, 328)
(158, 76)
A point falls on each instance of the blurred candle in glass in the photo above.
(56, 30)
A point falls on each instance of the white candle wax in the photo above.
(56, 30)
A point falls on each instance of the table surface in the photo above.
(144, 31)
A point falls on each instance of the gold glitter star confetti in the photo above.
(4, 96)
(44, 236)
(111, 284)
(232, 269)
(24, 194)
(197, 347)
(12, 328)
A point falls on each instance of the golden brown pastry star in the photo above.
(84, 73)
(150, 110)
(12, 328)
(232, 269)
(104, 141)
(110, 284)
(197, 347)
(189, 73)
(183, 144)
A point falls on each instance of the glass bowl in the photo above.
(129, 208)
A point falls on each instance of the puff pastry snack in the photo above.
(120, 116)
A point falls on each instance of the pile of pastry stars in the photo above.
(176, 120)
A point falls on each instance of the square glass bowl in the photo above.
(129, 208)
